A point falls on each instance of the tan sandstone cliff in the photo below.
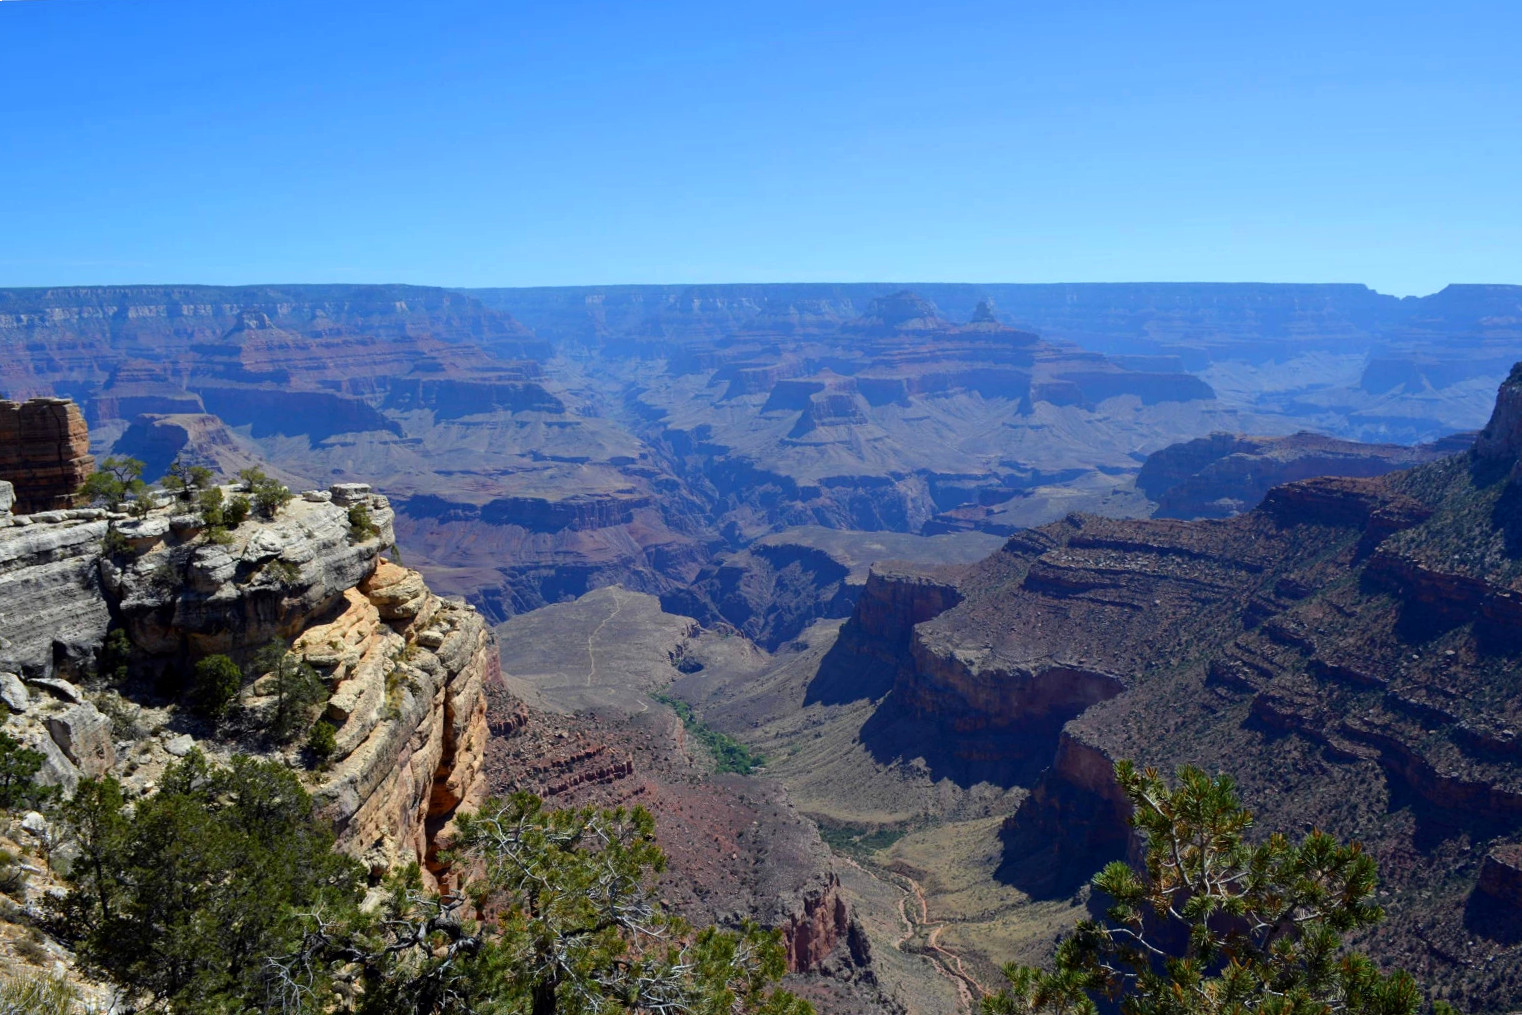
(405, 669)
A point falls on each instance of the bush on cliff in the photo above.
(294, 685)
(574, 928)
(214, 686)
(1215, 926)
(18, 770)
(322, 741)
(182, 896)
(117, 478)
(236, 511)
(361, 527)
(270, 495)
(222, 894)
(186, 480)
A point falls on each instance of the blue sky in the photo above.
(474, 143)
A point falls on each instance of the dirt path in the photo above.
(946, 962)
(591, 649)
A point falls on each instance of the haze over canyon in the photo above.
(938, 554)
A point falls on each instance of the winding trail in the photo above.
(946, 962)
(591, 649)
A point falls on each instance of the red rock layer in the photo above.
(44, 452)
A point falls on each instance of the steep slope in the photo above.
(1348, 651)
(405, 670)
(1225, 474)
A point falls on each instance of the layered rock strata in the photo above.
(1225, 474)
(1348, 651)
(44, 453)
(406, 670)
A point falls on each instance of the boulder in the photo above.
(263, 545)
(57, 770)
(58, 688)
(13, 692)
(399, 594)
(144, 531)
(345, 494)
(7, 497)
(84, 734)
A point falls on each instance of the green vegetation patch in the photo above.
(858, 840)
(729, 753)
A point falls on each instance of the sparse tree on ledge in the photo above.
(1216, 926)
(270, 495)
(186, 479)
(118, 478)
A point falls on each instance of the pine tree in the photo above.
(1214, 925)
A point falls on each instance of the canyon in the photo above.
(1346, 651)
(940, 554)
(537, 444)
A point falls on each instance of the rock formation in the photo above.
(1225, 474)
(44, 453)
(1348, 651)
(406, 671)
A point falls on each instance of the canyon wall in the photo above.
(44, 453)
(1347, 651)
(406, 671)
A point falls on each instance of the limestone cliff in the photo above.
(405, 669)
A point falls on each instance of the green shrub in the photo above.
(114, 544)
(183, 897)
(116, 656)
(185, 479)
(18, 769)
(361, 527)
(116, 479)
(215, 685)
(236, 511)
(322, 741)
(297, 688)
(211, 505)
(283, 572)
(270, 495)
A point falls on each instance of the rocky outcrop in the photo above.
(406, 670)
(44, 453)
(408, 673)
(182, 597)
(818, 922)
(1501, 440)
(1225, 474)
(895, 599)
(54, 613)
(1501, 875)
(1346, 651)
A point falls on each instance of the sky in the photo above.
(465, 143)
